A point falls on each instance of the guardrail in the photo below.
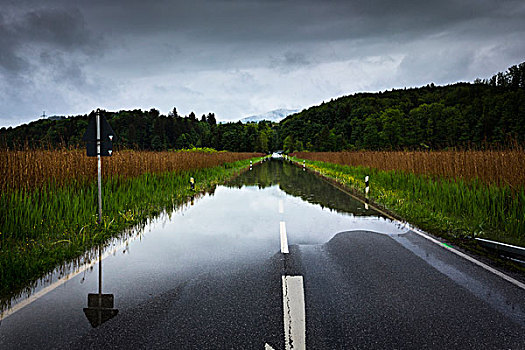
(503, 248)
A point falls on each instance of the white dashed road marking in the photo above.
(284, 239)
(294, 313)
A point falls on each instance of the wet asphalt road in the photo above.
(355, 299)
(216, 283)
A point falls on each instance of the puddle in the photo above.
(229, 228)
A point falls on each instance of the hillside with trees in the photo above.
(485, 113)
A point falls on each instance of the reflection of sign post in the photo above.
(100, 309)
(99, 137)
(100, 306)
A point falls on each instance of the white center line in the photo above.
(294, 313)
(281, 206)
(284, 239)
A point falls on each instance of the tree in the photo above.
(211, 119)
(262, 143)
(230, 141)
(323, 142)
(157, 143)
(392, 128)
(183, 142)
(371, 137)
(174, 113)
(288, 144)
(298, 146)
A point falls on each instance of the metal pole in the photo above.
(99, 311)
(99, 165)
(100, 273)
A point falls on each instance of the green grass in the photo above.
(454, 209)
(44, 228)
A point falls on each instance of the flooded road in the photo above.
(276, 258)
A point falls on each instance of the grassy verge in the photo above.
(453, 209)
(45, 227)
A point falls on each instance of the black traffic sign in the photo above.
(107, 136)
(106, 149)
(106, 132)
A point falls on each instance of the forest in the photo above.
(148, 130)
(485, 113)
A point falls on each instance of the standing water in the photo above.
(227, 230)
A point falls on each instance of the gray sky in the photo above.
(237, 58)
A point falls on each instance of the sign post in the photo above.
(99, 137)
(99, 167)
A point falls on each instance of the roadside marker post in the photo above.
(367, 189)
(99, 137)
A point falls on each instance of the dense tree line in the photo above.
(488, 112)
(149, 130)
(484, 113)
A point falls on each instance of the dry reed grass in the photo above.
(33, 168)
(491, 167)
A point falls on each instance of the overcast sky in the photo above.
(237, 58)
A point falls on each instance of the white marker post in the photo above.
(367, 189)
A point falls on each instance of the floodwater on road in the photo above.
(234, 226)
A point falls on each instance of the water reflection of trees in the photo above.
(298, 183)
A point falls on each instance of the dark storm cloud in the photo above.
(223, 34)
(203, 50)
(266, 24)
(306, 20)
(41, 29)
(42, 57)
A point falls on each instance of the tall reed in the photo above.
(490, 167)
(30, 168)
(453, 207)
(48, 201)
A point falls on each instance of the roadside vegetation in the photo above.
(48, 200)
(454, 194)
